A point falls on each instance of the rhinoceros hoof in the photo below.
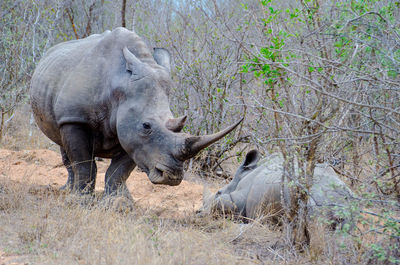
(83, 200)
(122, 205)
(119, 204)
(66, 188)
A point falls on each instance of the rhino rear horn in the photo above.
(163, 58)
(133, 64)
(176, 125)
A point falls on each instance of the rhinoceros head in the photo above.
(248, 165)
(145, 126)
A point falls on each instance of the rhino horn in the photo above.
(176, 125)
(194, 144)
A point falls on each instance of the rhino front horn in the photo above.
(194, 144)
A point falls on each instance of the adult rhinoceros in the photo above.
(256, 189)
(106, 96)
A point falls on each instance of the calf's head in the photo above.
(145, 126)
(212, 202)
(248, 165)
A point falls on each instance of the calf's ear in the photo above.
(251, 160)
(162, 58)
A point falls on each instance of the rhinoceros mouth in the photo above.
(162, 174)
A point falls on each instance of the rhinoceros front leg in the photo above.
(118, 172)
(70, 181)
(78, 145)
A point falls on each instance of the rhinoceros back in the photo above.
(71, 83)
(265, 193)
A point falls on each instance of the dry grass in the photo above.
(48, 227)
(22, 132)
(40, 225)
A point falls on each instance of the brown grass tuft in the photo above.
(42, 224)
(22, 132)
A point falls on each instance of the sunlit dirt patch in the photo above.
(44, 167)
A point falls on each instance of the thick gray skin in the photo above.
(256, 189)
(106, 96)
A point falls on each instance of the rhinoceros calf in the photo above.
(106, 96)
(255, 189)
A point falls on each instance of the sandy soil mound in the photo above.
(44, 167)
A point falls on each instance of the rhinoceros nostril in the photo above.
(172, 176)
(159, 171)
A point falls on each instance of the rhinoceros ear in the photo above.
(251, 160)
(163, 58)
(133, 64)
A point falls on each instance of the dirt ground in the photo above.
(44, 167)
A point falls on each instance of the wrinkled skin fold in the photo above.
(255, 190)
(107, 96)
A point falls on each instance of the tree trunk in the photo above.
(123, 11)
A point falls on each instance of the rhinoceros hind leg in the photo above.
(117, 173)
(70, 181)
(78, 145)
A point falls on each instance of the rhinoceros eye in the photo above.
(146, 126)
